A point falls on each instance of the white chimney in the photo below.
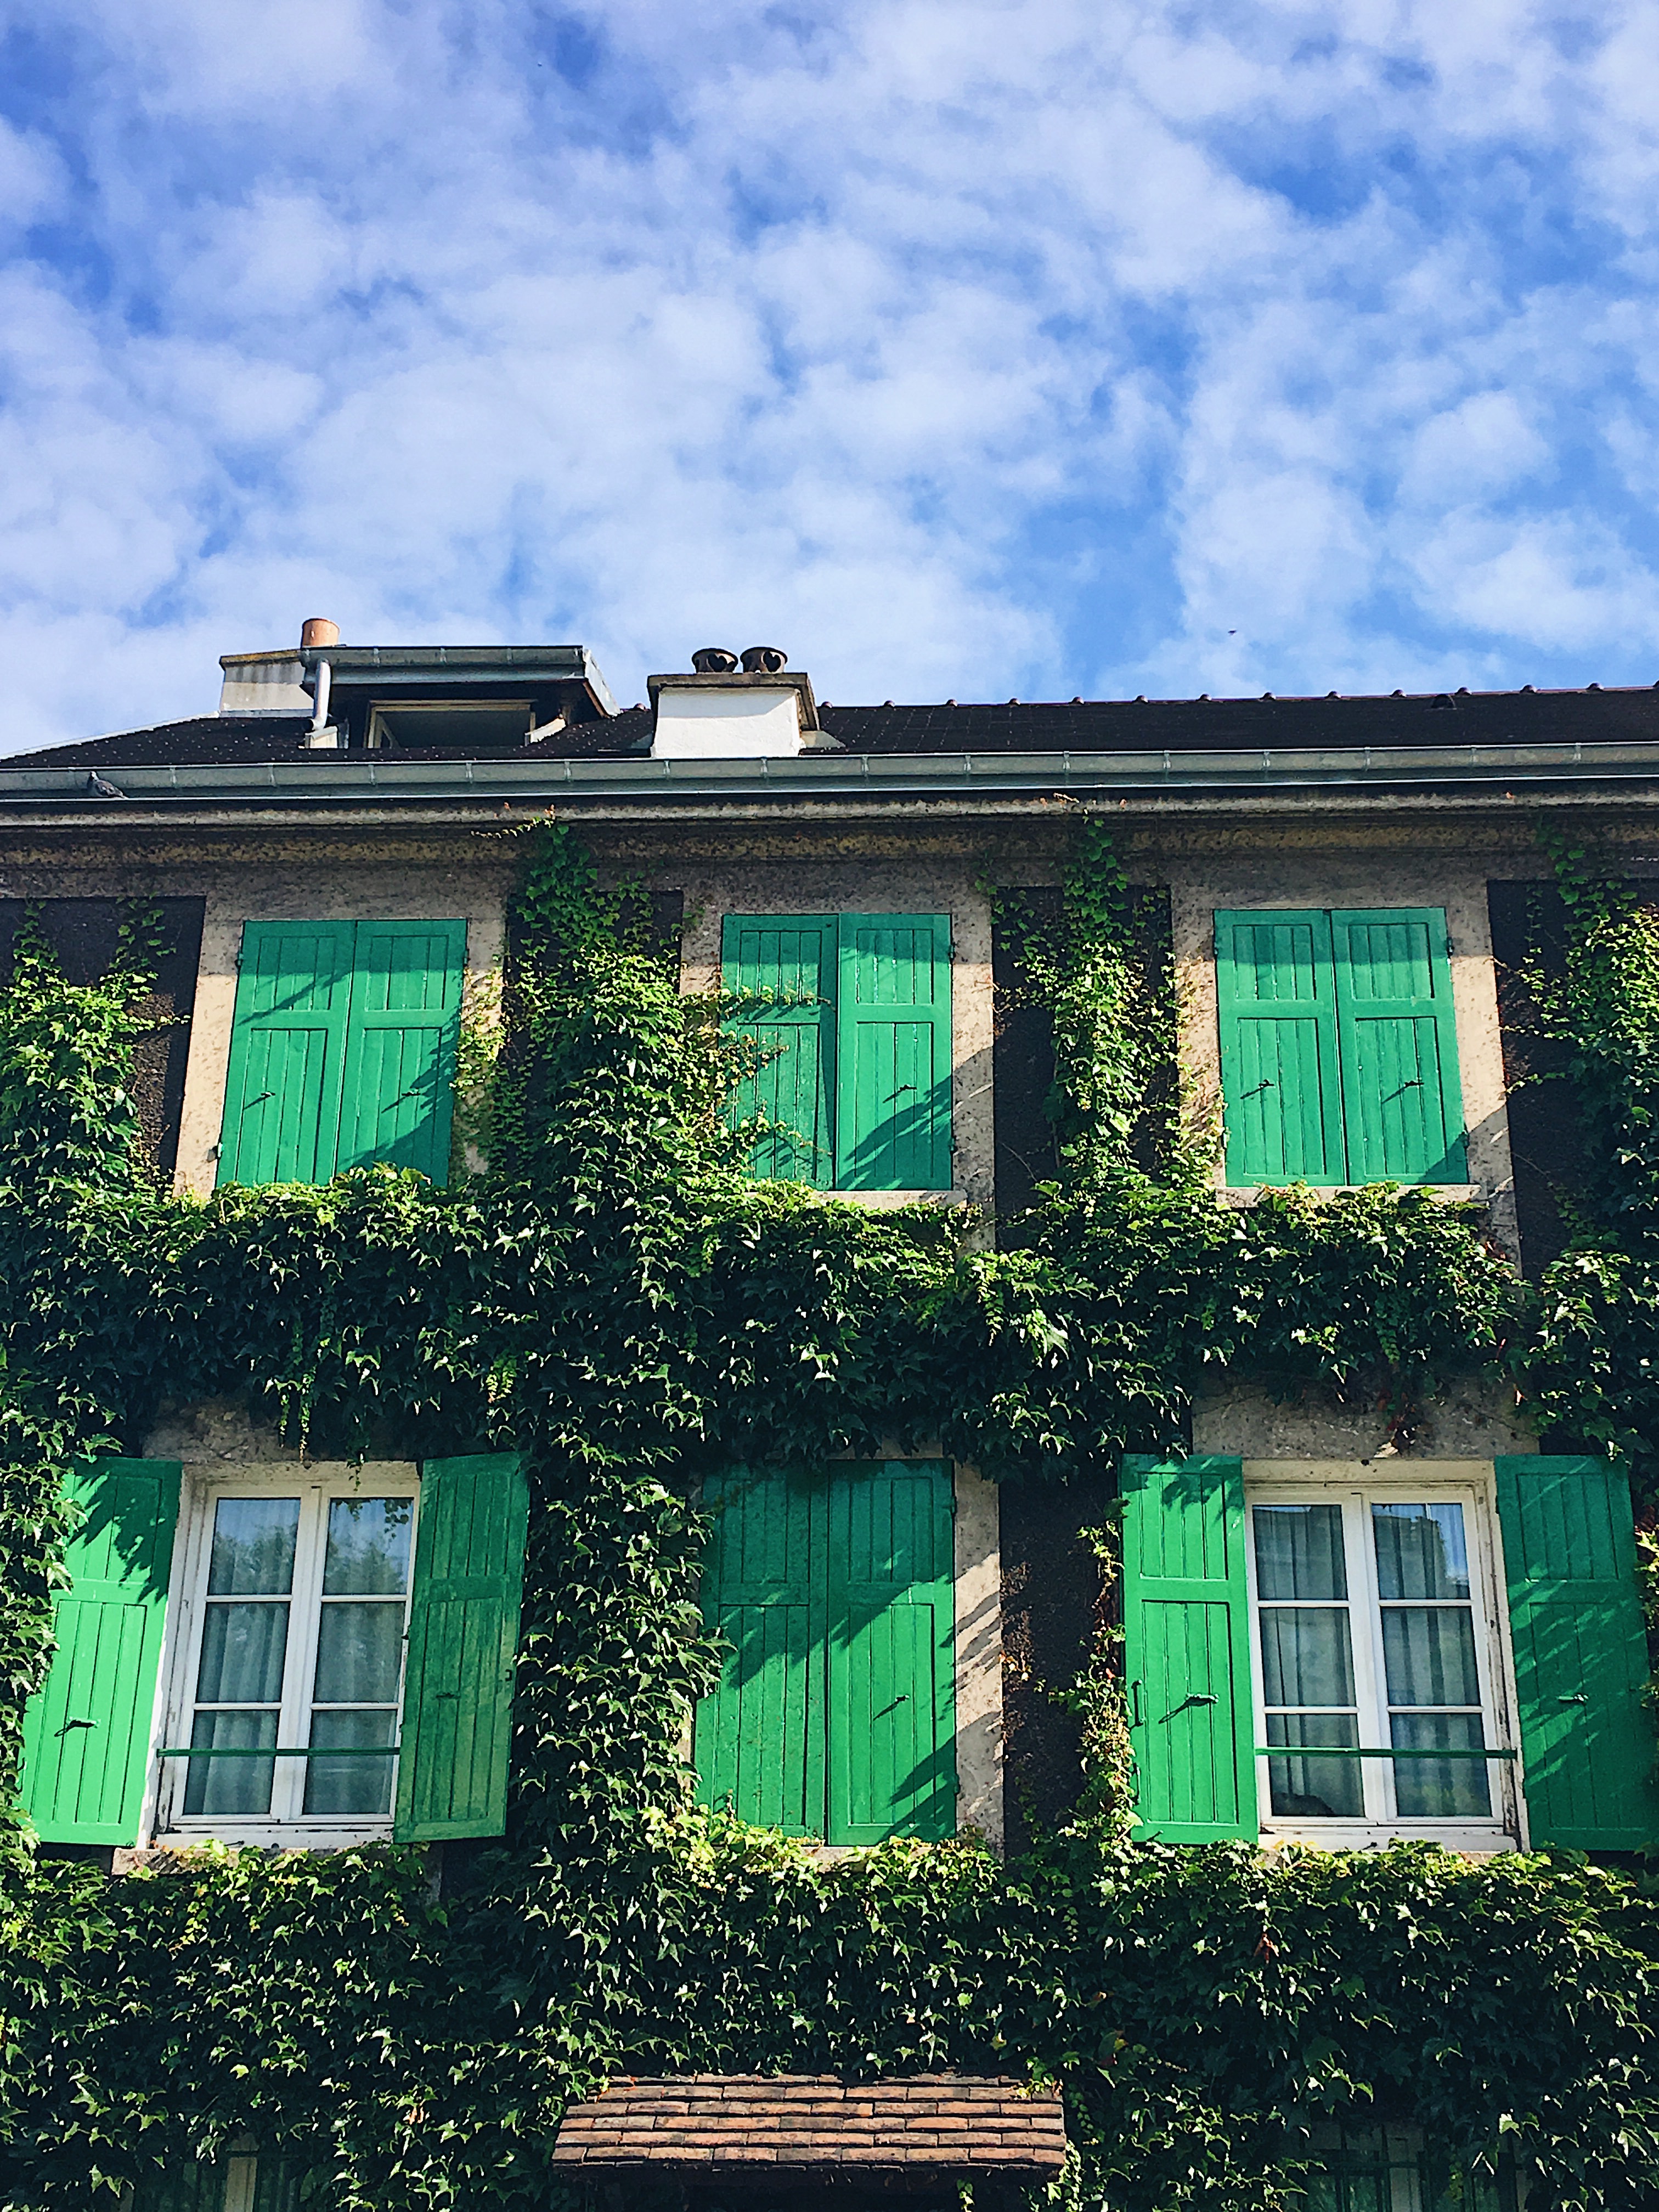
(763, 710)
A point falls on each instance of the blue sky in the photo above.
(962, 350)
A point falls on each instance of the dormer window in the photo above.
(494, 724)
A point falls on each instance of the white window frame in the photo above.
(316, 1485)
(1355, 1485)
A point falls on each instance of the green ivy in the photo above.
(616, 1299)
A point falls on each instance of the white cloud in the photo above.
(892, 333)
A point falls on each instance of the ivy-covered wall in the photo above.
(613, 1298)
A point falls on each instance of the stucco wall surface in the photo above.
(979, 1655)
(1478, 1419)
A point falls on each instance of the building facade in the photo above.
(1330, 1625)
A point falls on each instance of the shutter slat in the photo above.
(1280, 1085)
(463, 1645)
(893, 1110)
(784, 965)
(1581, 1663)
(759, 1736)
(1186, 1613)
(87, 1731)
(397, 1092)
(1402, 1098)
(891, 1684)
(283, 1082)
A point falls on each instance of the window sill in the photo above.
(1477, 1838)
(885, 1201)
(275, 1835)
(1443, 1193)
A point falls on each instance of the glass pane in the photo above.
(359, 1651)
(1428, 1651)
(238, 1787)
(349, 1785)
(1299, 1552)
(1420, 1551)
(242, 1652)
(368, 1546)
(253, 1546)
(1316, 1789)
(1439, 1788)
(1306, 1656)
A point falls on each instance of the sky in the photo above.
(961, 349)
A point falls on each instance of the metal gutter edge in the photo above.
(345, 779)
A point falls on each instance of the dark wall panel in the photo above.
(1546, 1138)
(85, 933)
(1052, 1610)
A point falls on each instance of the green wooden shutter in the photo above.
(893, 1083)
(287, 1053)
(87, 1731)
(891, 1652)
(1280, 1081)
(1186, 1652)
(401, 1039)
(463, 1643)
(784, 967)
(1402, 1102)
(759, 1740)
(1581, 1662)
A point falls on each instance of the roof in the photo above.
(918, 2123)
(1457, 718)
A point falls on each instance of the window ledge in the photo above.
(885, 1201)
(1443, 1193)
(1480, 1840)
(273, 1835)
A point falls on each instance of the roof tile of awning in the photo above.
(938, 2123)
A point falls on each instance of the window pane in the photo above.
(253, 1546)
(1316, 1789)
(242, 1653)
(359, 1654)
(237, 1786)
(368, 1546)
(1428, 1651)
(1439, 1788)
(1299, 1552)
(349, 1785)
(1420, 1551)
(1306, 1657)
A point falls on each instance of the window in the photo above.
(341, 1049)
(850, 1018)
(1391, 2170)
(341, 1649)
(1321, 1650)
(1339, 1048)
(836, 1714)
(302, 1599)
(1375, 1625)
(238, 2184)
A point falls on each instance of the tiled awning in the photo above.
(921, 2124)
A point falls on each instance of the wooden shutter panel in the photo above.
(1280, 1081)
(463, 1643)
(892, 1653)
(287, 1053)
(401, 1041)
(1402, 1101)
(759, 1740)
(893, 1083)
(1581, 1662)
(87, 1731)
(1187, 1654)
(785, 966)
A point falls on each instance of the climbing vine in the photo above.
(612, 1295)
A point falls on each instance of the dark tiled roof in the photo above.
(937, 2123)
(1109, 726)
